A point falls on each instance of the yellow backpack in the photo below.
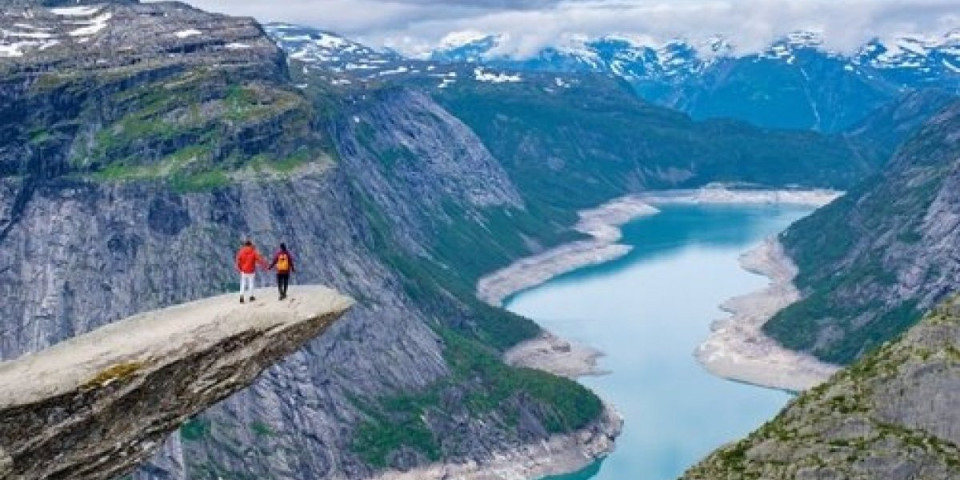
(283, 263)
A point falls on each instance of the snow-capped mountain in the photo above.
(911, 59)
(343, 62)
(795, 83)
(619, 55)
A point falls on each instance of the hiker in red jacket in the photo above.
(247, 260)
(283, 260)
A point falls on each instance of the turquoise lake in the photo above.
(647, 312)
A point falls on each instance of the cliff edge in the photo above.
(97, 405)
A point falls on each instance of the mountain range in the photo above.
(795, 83)
(140, 142)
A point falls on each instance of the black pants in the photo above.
(283, 281)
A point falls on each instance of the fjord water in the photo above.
(647, 312)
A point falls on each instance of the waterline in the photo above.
(647, 311)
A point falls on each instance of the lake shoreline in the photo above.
(560, 357)
(738, 349)
(557, 455)
(603, 224)
(562, 454)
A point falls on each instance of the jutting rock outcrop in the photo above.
(97, 405)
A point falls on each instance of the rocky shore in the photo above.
(602, 224)
(738, 349)
(733, 351)
(721, 195)
(555, 355)
(556, 455)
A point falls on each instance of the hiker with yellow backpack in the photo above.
(283, 261)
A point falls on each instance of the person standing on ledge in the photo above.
(247, 260)
(283, 260)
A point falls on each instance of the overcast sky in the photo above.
(528, 25)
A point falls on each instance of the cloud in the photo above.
(526, 26)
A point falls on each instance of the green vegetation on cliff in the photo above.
(480, 386)
(198, 127)
(886, 416)
(873, 260)
(580, 146)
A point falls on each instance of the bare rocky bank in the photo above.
(738, 349)
(556, 455)
(560, 357)
(890, 415)
(602, 224)
(733, 350)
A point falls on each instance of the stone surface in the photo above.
(738, 349)
(95, 406)
(97, 223)
(891, 415)
(874, 260)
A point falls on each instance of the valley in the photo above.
(140, 143)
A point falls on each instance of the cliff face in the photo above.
(144, 91)
(89, 253)
(891, 415)
(99, 404)
(579, 145)
(877, 257)
(137, 152)
(133, 166)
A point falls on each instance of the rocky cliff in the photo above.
(579, 145)
(872, 261)
(140, 142)
(99, 404)
(126, 90)
(132, 166)
(891, 415)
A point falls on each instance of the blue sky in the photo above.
(415, 25)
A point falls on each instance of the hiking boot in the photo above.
(252, 298)
(241, 299)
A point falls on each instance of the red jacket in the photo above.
(248, 258)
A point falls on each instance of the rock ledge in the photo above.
(97, 405)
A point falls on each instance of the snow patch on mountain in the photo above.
(187, 33)
(459, 39)
(93, 26)
(481, 75)
(83, 11)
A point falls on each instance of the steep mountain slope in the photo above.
(586, 139)
(110, 103)
(140, 142)
(793, 84)
(894, 123)
(588, 134)
(137, 154)
(85, 87)
(874, 259)
(891, 415)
